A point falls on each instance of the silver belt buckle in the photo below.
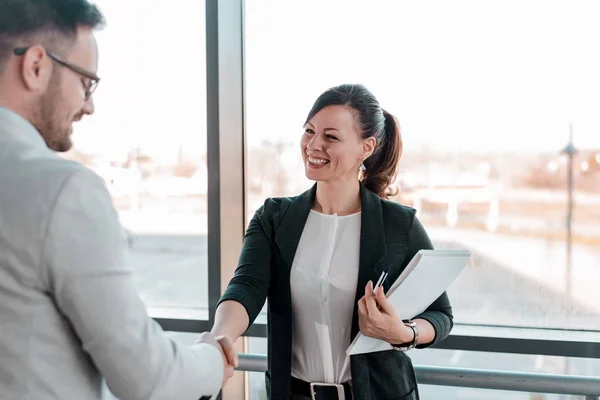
(340, 390)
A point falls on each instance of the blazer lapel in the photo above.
(292, 224)
(372, 247)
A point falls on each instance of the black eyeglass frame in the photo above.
(94, 79)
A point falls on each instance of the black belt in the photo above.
(320, 391)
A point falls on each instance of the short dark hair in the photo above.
(373, 121)
(54, 19)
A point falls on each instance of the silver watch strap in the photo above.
(415, 340)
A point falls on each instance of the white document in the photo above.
(424, 279)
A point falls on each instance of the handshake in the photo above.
(225, 346)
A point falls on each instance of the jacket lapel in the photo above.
(292, 224)
(372, 247)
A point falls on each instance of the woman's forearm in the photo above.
(231, 320)
(426, 331)
(403, 334)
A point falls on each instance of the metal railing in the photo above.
(480, 379)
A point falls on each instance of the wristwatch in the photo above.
(413, 343)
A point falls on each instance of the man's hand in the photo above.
(225, 346)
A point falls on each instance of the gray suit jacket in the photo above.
(69, 310)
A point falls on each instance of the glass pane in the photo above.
(504, 362)
(147, 139)
(467, 359)
(485, 114)
(256, 380)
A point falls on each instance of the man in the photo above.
(69, 311)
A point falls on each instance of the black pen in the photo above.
(381, 279)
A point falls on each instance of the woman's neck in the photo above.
(337, 198)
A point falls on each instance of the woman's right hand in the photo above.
(229, 351)
(225, 347)
(231, 320)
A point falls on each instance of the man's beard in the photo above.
(52, 122)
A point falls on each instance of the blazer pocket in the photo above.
(392, 376)
(268, 384)
(412, 395)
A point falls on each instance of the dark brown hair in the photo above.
(54, 19)
(373, 121)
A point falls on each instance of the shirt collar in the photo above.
(14, 127)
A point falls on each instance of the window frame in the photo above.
(226, 163)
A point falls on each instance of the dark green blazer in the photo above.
(390, 236)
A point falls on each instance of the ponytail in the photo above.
(382, 167)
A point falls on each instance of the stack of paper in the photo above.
(424, 279)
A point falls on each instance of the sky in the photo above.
(477, 75)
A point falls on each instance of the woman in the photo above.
(316, 255)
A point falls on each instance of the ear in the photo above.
(368, 147)
(36, 68)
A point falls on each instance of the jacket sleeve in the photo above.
(251, 281)
(439, 313)
(86, 255)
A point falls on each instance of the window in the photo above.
(505, 362)
(485, 94)
(148, 141)
(256, 380)
(469, 360)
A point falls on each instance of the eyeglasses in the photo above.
(93, 79)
